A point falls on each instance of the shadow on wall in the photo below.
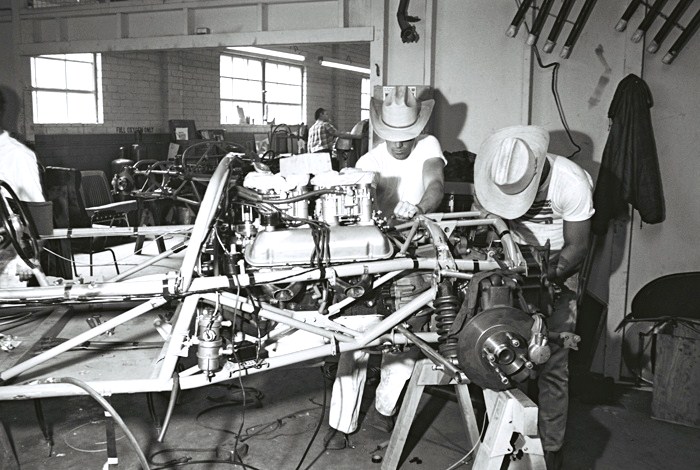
(12, 106)
(560, 144)
(448, 122)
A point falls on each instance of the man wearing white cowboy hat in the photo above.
(410, 165)
(544, 197)
(410, 168)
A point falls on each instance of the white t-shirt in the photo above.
(569, 198)
(400, 180)
(19, 169)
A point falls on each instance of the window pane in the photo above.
(364, 101)
(247, 68)
(55, 56)
(80, 76)
(81, 108)
(228, 113)
(50, 73)
(280, 73)
(277, 93)
(365, 86)
(283, 114)
(226, 87)
(51, 107)
(364, 114)
(226, 65)
(247, 90)
(251, 110)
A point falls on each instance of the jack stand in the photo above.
(510, 412)
(425, 373)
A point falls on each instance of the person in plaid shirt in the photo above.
(322, 134)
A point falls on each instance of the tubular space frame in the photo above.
(155, 289)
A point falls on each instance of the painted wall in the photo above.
(8, 82)
(671, 247)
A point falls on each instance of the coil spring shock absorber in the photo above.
(446, 306)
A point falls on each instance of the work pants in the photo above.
(349, 384)
(553, 379)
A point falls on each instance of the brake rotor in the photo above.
(492, 348)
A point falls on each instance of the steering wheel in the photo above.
(17, 227)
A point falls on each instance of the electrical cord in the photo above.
(185, 461)
(555, 89)
(476, 444)
(320, 422)
(110, 409)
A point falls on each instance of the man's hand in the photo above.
(406, 210)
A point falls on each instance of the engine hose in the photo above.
(446, 306)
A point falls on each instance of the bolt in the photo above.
(513, 340)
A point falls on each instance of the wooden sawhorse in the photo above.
(510, 412)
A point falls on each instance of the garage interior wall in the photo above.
(146, 89)
(484, 80)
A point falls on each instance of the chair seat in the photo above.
(123, 206)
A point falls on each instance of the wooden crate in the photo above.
(676, 396)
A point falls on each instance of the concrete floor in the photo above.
(277, 428)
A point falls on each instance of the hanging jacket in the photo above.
(629, 172)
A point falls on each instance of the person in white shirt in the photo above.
(544, 197)
(18, 165)
(410, 168)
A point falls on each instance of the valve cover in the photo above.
(295, 246)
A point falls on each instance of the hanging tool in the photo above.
(668, 25)
(408, 31)
(518, 19)
(631, 8)
(682, 39)
(577, 28)
(648, 20)
(558, 25)
(539, 22)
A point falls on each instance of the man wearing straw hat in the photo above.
(543, 197)
(410, 168)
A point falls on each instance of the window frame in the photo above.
(96, 92)
(264, 82)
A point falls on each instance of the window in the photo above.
(264, 90)
(67, 88)
(365, 99)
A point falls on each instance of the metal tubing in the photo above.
(65, 233)
(518, 18)
(81, 338)
(539, 22)
(409, 237)
(173, 347)
(103, 387)
(397, 317)
(176, 249)
(229, 372)
(631, 8)
(682, 39)
(668, 25)
(322, 319)
(335, 308)
(577, 28)
(202, 224)
(433, 355)
(563, 14)
(280, 316)
(455, 274)
(648, 20)
(171, 406)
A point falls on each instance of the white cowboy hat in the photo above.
(508, 168)
(400, 116)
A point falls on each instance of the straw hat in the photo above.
(400, 116)
(507, 169)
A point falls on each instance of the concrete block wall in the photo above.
(143, 90)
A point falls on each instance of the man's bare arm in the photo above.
(576, 238)
(433, 180)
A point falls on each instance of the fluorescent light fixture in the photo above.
(338, 64)
(269, 52)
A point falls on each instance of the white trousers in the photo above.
(349, 384)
